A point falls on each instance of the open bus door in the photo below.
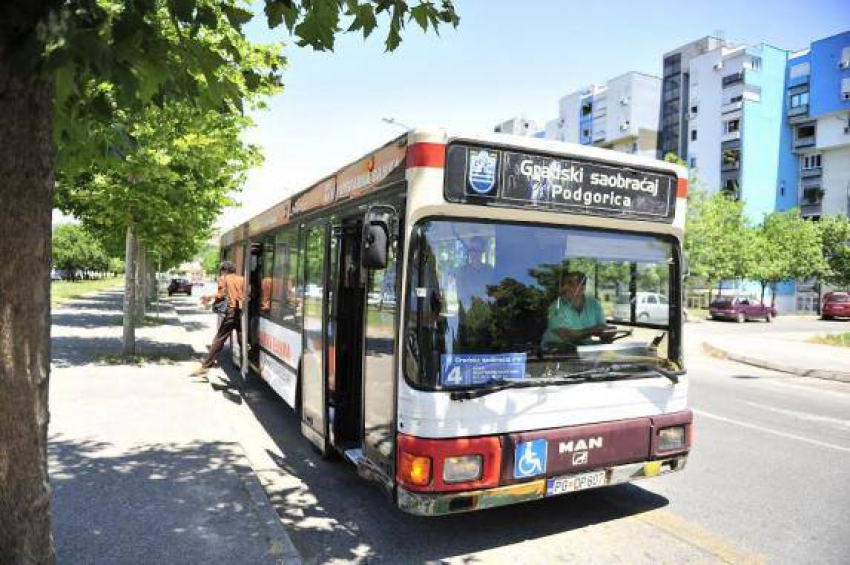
(252, 307)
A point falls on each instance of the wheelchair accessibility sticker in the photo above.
(530, 458)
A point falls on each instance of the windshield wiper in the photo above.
(620, 368)
(616, 370)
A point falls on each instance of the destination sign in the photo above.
(503, 177)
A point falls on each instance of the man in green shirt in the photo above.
(574, 318)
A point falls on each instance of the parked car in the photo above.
(835, 305)
(740, 310)
(650, 307)
(179, 285)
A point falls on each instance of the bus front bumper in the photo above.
(437, 504)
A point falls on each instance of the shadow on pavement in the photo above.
(162, 503)
(335, 515)
(70, 351)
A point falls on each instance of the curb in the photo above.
(281, 544)
(715, 351)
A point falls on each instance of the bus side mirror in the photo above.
(376, 237)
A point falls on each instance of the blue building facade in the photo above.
(768, 170)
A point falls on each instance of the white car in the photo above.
(650, 307)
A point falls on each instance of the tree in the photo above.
(209, 258)
(75, 249)
(63, 65)
(835, 238)
(783, 258)
(166, 192)
(719, 243)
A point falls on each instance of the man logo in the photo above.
(573, 445)
(580, 458)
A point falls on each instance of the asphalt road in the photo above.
(767, 481)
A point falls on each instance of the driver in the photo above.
(574, 317)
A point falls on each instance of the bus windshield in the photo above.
(492, 302)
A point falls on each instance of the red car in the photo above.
(180, 285)
(835, 305)
(740, 310)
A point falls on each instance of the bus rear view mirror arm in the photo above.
(376, 231)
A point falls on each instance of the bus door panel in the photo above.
(379, 388)
(313, 359)
(345, 324)
(253, 294)
(243, 269)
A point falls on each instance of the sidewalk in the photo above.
(788, 353)
(141, 468)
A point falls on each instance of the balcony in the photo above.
(810, 210)
(731, 107)
(730, 166)
(800, 112)
(599, 135)
(732, 79)
(811, 172)
(731, 136)
(803, 142)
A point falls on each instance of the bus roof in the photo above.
(388, 162)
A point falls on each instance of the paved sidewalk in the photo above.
(788, 352)
(141, 468)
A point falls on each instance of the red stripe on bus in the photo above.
(426, 155)
(682, 188)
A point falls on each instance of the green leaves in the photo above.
(317, 23)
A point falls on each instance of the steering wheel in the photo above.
(611, 337)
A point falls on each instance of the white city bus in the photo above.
(409, 308)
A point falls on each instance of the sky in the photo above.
(506, 58)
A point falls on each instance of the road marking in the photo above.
(771, 431)
(811, 386)
(804, 415)
(688, 532)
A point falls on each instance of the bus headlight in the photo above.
(462, 469)
(671, 438)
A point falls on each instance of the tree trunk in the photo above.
(26, 193)
(129, 337)
(140, 280)
(763, 284)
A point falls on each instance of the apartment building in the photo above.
(818, 119)
(519, 125)
(674, 111)
(620, 114)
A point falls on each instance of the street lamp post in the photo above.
(394, 122)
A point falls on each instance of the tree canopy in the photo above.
(75, 250)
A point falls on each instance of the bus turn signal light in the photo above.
(415, 469)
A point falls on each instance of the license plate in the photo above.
(560, 485)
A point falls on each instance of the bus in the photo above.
(476, 320)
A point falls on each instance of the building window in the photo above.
(731, 126)
(812, 161)
(805, 131)
(736, 98)
(801, 99)
(585, 133)
(586, 109)
(694, 109)
(693, 162)
(730, 188)
(693, 135)
(755, 63)
(634, 147)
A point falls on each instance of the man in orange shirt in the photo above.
(231, 287)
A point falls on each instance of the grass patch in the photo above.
(840, 340)
(140, 360)
(62, 291)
